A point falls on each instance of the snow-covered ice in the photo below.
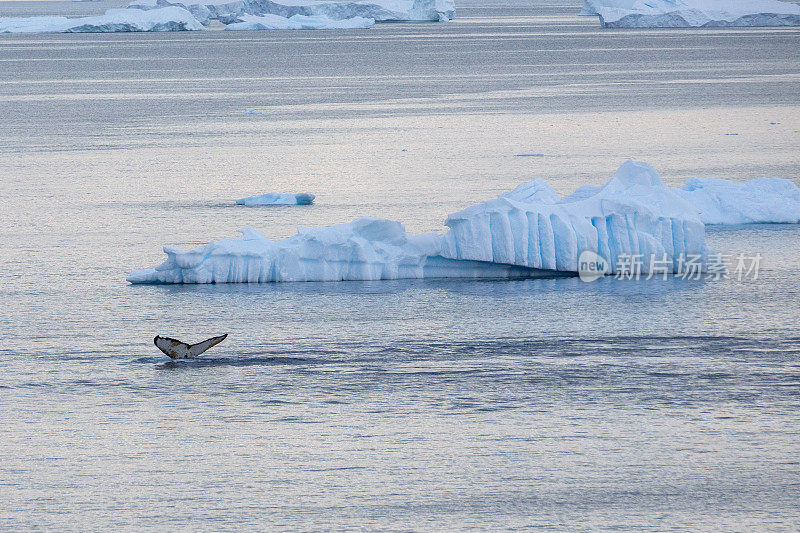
(529, 231)
(233, 11)
(114, 20)
(298, 22)
(692, 13)
(719, 201)
(274, 198)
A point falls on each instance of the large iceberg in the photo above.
(114, 20)
(527, 232)
(274, 198)
(234, 11)
(692, 13)
(298, 22)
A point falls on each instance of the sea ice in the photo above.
(692, 13)
(115, 20)
(529, 232)
(298, 22)
(278, 199)
(234, 11)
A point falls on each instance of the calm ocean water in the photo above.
(408, 405)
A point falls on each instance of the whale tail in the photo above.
(180, 350)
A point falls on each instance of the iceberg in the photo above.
(692, 13)
(762, 200)
(633, 214)
(114, 20)
(527, 232)
(365, 249)
(298, 22)
(273, 198)
(234, 11)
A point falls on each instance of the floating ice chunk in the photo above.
(527, 232)
(692, 13)
(233, 11)
(298, 22)
(278, 199)
(114, 20)
(719, 201)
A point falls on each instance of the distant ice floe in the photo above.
(692, 13)
(114, 20)
(278, 199)
(527, 232)
(298, 22)
(235, 11)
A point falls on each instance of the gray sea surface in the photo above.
(548, 404)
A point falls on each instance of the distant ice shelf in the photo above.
(169, 15)
(236, 11)
(114, 20)
(278, 199)
(692, 13)
(527, 232)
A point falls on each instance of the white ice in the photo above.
(298, 22)
(273, 198)
(763, 200)
(234, 11)
(692, 13)
(114, 20)
(529, 231)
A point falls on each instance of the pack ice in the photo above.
(692, 13)
(274, 198)
(527, 232)
(114, 20)
(237, 11)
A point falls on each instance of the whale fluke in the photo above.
(180, 350)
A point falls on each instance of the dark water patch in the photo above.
(295, 420)
(233, 362)
(335, 468)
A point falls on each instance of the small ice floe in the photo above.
(253, 112)
(298, 22)
(274, 198)
(114, 20)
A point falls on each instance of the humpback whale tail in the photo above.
(180, 350)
